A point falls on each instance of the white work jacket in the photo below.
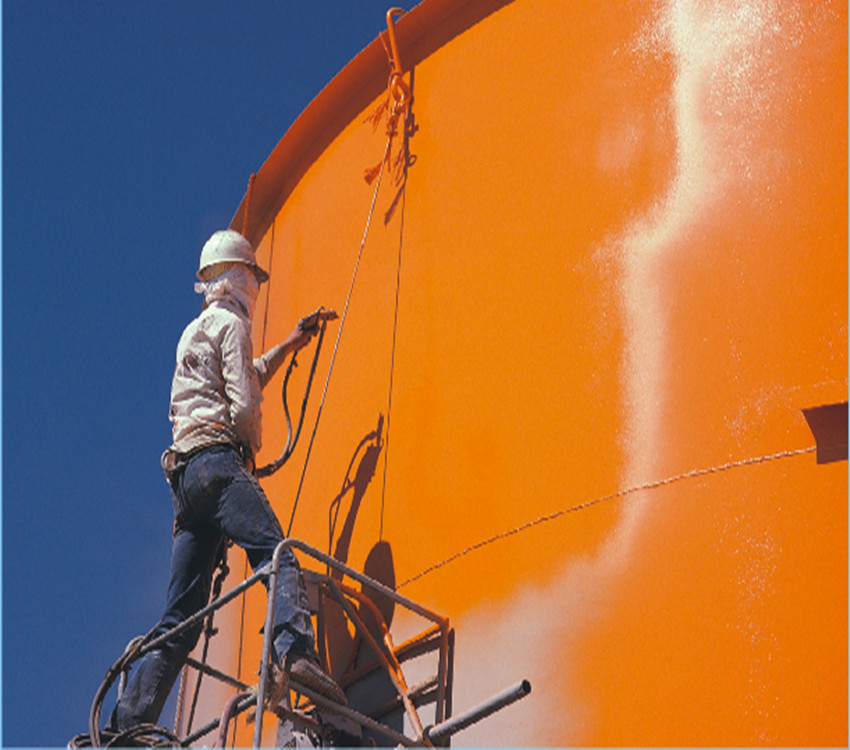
(216, 390)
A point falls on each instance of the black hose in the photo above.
(146, 735)
(131, 653)
(292, 440)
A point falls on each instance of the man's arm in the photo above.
(306, 328)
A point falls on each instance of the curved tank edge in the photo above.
(419, 32)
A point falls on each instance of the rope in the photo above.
(392, 355)
(613, 496)
(339, 332)
(181, 701)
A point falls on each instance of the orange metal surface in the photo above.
(568, 394)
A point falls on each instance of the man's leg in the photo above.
(247, 518)
(153, 676)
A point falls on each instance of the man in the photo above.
(215, 410)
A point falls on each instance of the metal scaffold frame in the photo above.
(388, 658)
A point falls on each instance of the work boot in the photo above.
(306, 670)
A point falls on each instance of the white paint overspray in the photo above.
(720, 97)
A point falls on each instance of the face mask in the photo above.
(237, 283)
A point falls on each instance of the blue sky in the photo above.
(130, 130)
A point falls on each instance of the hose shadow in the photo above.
(348, 652)
(371, 446)
(344, 649)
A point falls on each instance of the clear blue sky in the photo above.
(130, 129)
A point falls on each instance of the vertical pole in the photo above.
(267, 644)
(442, 672)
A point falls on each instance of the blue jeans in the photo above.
(214, 496)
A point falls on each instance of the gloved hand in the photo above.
(311, 322)
(307, 327)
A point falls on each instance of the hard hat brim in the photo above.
(262, 276)
(208, 272)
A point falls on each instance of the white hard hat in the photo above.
(228, 246)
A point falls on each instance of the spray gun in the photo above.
(311, 322)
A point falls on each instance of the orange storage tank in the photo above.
(589, 396)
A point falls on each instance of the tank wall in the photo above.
(569, 389)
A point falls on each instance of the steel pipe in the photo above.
(440, 732)
(365, 580)
(201, 614)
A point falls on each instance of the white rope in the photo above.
(339, 332)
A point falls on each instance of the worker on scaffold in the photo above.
(215, 410)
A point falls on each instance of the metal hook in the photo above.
(399, 90)
(393, 45)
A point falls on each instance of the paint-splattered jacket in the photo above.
(216, 390)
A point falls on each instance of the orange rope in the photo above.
(613, 496)
(398, 97)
